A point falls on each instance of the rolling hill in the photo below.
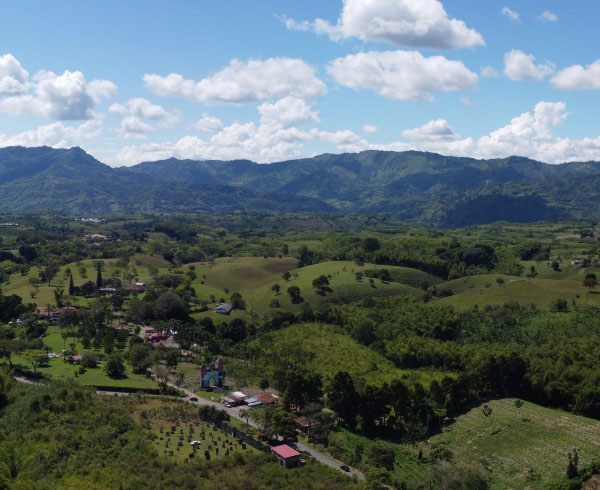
(434, 189)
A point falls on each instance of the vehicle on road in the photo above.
(193, 399)
(345, 467)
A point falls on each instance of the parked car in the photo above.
(195, 443)
(345, 467)
(194, 399)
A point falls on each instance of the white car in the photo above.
(195, 443)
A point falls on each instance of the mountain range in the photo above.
(437, 190)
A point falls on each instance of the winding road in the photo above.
(233, 412)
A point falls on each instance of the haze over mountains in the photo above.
(435, 189)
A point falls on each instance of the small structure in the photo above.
(137, 288)
(76, 359)
(235, 398)
(305, 424)
(252, 402)
(217, 375)
(107, 290)
(223, 308)
(286, 455)
(266, 398)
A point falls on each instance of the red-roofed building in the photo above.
(266, 398)
(286, 455)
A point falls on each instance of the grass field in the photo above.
(60, 369)
(482, 290)
(332, 351)
(520, 453)
(176, 444)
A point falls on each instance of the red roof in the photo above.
(265, 398)
(285, 451)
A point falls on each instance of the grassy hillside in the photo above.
(482, 290)
(331, 351)
(521, 453)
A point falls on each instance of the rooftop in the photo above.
(285, 451)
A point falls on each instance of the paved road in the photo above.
(233, 412)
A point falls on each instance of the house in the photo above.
(266, 398)
(234, 399)
(137, 288)
(286, 455)
(223, 308)
(76, 359)
(305, 424)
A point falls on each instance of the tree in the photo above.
(50, 271)
(114, 366)
(294, 292)
(343, 399)
(519, 405)
(161, 372)
(276, 288)
(590, 281)
(500, 281)
(532, 273)
(140, 358)
(320, 282)
(245, 414)
(573, 466)
(286, 276)
(59, 297)
(35, 357)
(71, 286)
(264, 384)
(486, 410)
(99, 276)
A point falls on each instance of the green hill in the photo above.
(435, 189)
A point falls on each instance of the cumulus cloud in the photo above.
(277, 137)
(530, 135)
(207, 124)
(63, 97)
(402, 75)
(13, 78)
(370, 129)
(520, 66)
(577, 77)
(57, 135)
(437, 130)
(547, 16)
(287, 112)
(137, 111)
(244, 82)
(489, 72)
(511, 14)
(419, 24)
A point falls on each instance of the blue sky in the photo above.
(273, 80)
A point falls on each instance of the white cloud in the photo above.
(511, 14)
(244, 82)
(465, 101)
(530, 135)
(577, 77)
(56, 135)
(276, 138)
(489, 72)
(520, 66)
(547, 16)
(402, 75)
(135, 114)
(438, 130)
(287, 112)
(62, 97)
(207, 124)
(13, 78)
(370, 129)
(419, 24)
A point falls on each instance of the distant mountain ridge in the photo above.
(438, 190)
